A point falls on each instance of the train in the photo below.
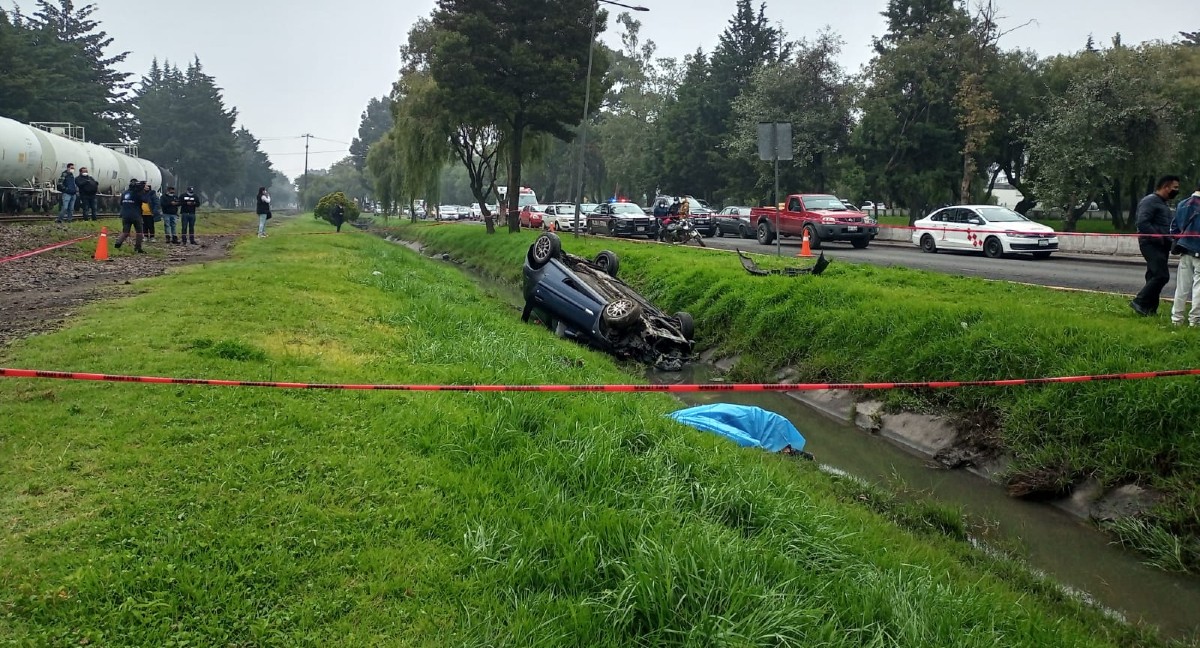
(33, 157)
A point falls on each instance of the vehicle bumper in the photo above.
(1031, 245)
(846, 232)
(632, 227)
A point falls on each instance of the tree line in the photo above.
(57, 68)
(942, 114)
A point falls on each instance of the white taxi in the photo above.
(993, 230)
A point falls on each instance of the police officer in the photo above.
(170, 209)
(187, 215)
(131, 215)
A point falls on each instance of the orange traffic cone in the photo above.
(552, 226)
(805, 250)
(102, 246)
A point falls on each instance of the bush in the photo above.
(325, 207)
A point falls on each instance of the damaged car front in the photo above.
(584, 300)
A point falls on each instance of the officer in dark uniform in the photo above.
(131, 215)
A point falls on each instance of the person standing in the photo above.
(263, 209)
(170, 210)
(131, 216)
(88, 188)
(1187, 279)
(1154, 220)
(187, 210)
(338, 216)
(68, 187)
(151, 210)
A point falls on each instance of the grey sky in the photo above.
(294, 67)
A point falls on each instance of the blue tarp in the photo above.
(752, 427)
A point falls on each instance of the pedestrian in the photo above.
(187, 210)
(88, 188)
(151, 210)
(131, 216)
(263, 208)
(68, 188)
(1187, 279)
(170, 210)
(338, 216)
(685, 207)
(1154, 220)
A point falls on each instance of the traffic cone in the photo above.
(102, 246)
(552, 226)
(805, 250)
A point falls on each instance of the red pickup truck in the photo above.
(822, 215)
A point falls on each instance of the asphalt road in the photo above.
(1060, 271)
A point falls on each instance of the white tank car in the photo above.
(32, 159)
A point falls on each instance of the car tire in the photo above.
(765, 235)
(687, 325)
(860, 243)
(609, 262)
(621, 313)
(1042, 255)
(993, 248)
(814, 241)
(928, 245)
(546, 247)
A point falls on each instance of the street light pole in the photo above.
(587, 101)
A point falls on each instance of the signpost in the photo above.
(775, 144)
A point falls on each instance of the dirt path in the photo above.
(39, 293)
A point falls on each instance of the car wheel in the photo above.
(814, 241)
(621, 313)
(993, 248)
(608, 262)
(861, 243)
(1042, 255)
(928, 244)
(612, 229)
(546, 247)
(687, 325)
(765, 235)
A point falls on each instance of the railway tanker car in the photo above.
(33, 156)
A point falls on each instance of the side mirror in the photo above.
(976, 221)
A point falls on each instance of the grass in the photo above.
(865, 323)
(157, 515)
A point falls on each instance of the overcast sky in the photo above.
(311, 65)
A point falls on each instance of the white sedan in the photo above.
(993, 230)
(563, 216)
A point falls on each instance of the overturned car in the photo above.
(583, 300)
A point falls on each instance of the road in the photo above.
(1065, 271)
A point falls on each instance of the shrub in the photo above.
(325, 207)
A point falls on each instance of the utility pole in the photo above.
(304, 190)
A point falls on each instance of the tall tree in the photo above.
(521, 81)
(1191, 39)
(253, 169)
(376, 121)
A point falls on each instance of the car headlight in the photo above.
(869, 221)
(829, 220)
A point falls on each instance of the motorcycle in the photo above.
(680, 232)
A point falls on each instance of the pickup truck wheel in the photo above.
(687, 325)
(765, 235)
(546, 247)
(608, 262)
(814, 241)
(928, 244)
(861, 243)
(993, 248)
(621, 313)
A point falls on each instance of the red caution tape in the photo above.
(48, 248)
(744, 387)
(1015, 232)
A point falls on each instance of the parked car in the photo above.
(583, 300)
(736, 221)
(476, 211)
(449, 213)
(533, 216)
(869, 206)
(993, 230)
(823, 217)
(563, 216)
(620, 219)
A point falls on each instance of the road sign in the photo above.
(774, 141)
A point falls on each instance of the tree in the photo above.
(1191, 39)
(253, 169)
(376, 122)
(519, 83)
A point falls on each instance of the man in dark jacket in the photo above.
(88, 188)
(187, 212)
(1187, 278)
(151, 210)
(131, 215)
(338, 216)
(1154, 219)
(170, 210)
(66, 185)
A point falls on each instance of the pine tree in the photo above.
(376, 121)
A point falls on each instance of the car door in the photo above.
(793, 216)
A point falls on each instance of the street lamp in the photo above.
(587, 100)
